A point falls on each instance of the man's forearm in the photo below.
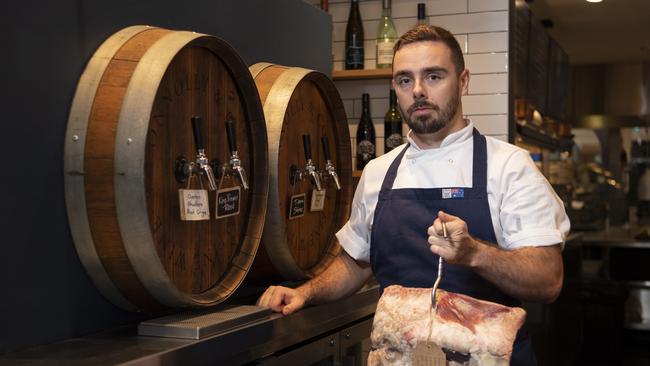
(530, 273)
(341, 278)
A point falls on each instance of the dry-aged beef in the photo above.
(485, 331)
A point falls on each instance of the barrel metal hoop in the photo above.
(258, 68)
(275, 230)
(74, 181)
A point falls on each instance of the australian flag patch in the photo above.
(453, 193)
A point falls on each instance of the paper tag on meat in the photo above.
(429, 354)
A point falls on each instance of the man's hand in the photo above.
(459, 247)
(282, 299)
(343, 277)
(528, 273)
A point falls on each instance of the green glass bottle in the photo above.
(354, 38)
(366, 141)
(422, 15)
(386, 37)
(392, 125)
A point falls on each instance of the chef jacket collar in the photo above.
(459, 136)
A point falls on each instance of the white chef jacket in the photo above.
(525, 209)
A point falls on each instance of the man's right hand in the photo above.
(282, 299)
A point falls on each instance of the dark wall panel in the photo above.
(46, 293)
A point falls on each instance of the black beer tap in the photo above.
(201, 158)
(235, 162)
(329, 166)
(310, 169)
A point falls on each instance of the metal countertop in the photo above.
(618, 237)
(235, 346)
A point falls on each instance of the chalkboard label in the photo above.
(228, 202)
(194, 204)
(297, 206)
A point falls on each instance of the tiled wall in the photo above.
(481, 27)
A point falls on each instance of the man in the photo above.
(505, 224)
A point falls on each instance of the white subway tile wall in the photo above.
(481, 27)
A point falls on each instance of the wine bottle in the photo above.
(366, 150)
(392, 125)
(422, 15)
(386, 37)
(354, 38)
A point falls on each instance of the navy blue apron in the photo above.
(399, 251)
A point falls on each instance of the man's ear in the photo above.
(464, 82)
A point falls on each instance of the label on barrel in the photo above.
(194, 204)
(317, 200)
(228, 202)
(297, 206)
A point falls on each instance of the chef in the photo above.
(505, 224)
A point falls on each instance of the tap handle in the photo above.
(196, 127)
(326, 147)
(306, 142)
(230, 131)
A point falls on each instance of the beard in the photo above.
(427, 123)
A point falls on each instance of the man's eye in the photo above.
(404, 81)
(433, 77)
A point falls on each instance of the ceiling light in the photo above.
(594, 1)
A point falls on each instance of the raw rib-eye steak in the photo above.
(470, 331)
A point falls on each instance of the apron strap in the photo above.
(479, 162)
(391, 174)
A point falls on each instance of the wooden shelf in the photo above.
(356, 173)
(362, 74)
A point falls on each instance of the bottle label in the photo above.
(385, 52)
(354, 57)
(365, 150)
(394, 140)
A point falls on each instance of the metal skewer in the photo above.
(435, 285)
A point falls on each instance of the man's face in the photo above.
(427, 87)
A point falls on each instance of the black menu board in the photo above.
(538, 42)
(558, 82)
(520, 49)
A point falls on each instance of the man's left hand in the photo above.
(458, 247)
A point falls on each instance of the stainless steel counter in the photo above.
(621, 237)
(240, 345)
(619, 257)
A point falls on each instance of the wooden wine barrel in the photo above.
(296, 102)
(129, 121)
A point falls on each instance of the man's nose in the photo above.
(418, 89)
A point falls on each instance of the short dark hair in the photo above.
(433, 33)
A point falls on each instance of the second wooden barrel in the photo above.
(129, 124)
(300, 102)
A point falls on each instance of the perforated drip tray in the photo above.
(201, 323)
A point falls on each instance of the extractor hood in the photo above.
(612, 95)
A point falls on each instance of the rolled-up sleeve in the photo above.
(354, 236)
(531, 212)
